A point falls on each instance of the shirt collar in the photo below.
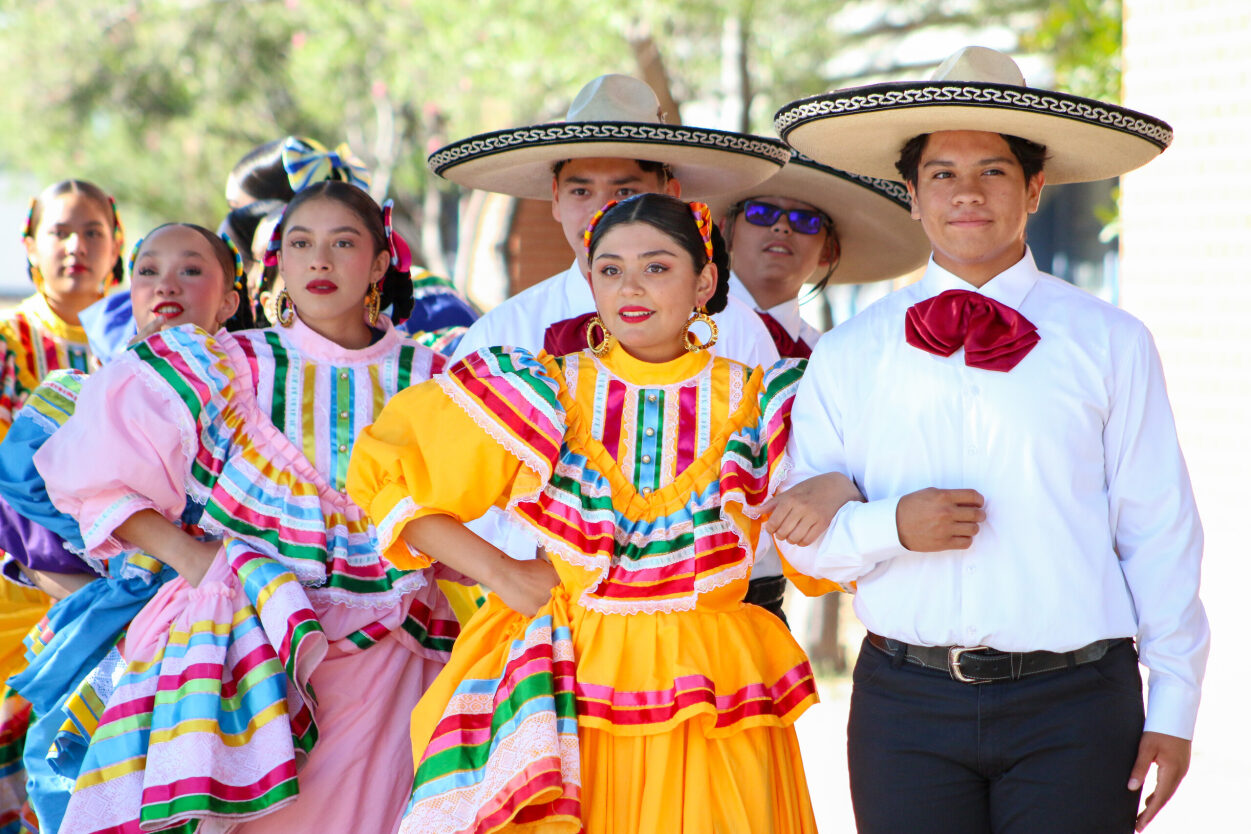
(1008, 287)
(786, 314)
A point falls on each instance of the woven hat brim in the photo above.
(863, 128)
(878, 239)
(519, 162)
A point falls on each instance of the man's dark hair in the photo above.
(1031, 155)
(662, 169)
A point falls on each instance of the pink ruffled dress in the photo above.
(275, 696)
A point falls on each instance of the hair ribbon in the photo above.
(703, 220)
(401, 254)
(307, 161)
(590, 227)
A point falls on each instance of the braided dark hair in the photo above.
(674, 218)
(260, 173)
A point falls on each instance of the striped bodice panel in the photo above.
(320, 407)
(660, 519)
(654, 433)
(259, 484)
(36, 343)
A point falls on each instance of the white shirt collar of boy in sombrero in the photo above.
(786, 314)
(1008, 287)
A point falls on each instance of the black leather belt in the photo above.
(982, 664)
(767, 592)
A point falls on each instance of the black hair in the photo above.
(261, 175)
(242, 318)
(94, 193)
(240, 225)
(673, 217)
(662, 169)
(397, 286)
(1031, 155)
(831, 240)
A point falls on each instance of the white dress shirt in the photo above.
(1091, 529)
(787, 313)
(522, 321)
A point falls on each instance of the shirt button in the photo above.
(650, 432)
(343, 375)
(342, 448)
(651, 398)
(343, 415)
(647, 458)
(647, 490)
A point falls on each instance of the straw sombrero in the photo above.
(862, 129)
(614, 116)
(877, 237)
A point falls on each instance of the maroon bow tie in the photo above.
(994, 336)
(788, 348)
(568, 336)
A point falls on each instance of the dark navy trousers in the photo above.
(1047, 754)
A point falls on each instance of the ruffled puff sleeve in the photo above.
(486, 433)
(133, 438)
(33, 531)
(755, 462)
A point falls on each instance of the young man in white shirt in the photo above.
(1028, 515)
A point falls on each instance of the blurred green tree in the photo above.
(156, 99)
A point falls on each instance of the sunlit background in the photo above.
(156, 100)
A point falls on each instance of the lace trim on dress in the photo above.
(516, 447)
(175, 408)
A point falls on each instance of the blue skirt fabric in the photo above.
(61, 653)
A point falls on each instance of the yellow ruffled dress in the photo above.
(34, 341)
(646, 695)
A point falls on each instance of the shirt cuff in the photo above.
(860, 536)
(1172, 708)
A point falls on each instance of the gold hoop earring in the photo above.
(373, 304)
(36, 276)
(691, 343)
(286, 309)
(604, 344)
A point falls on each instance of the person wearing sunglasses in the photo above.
(810, 224)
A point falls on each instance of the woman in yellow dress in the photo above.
(625, 685)
(73, 242)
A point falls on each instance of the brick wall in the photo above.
(1186, 249)
(536, 245)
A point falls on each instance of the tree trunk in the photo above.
(652, 70)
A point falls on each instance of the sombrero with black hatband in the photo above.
(877, 237)
(614, 116)
(862, 129)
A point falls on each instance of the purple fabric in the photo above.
(34, 546)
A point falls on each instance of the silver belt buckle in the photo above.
(953, 662)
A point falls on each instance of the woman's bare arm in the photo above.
(524, 586)
(154, 534)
